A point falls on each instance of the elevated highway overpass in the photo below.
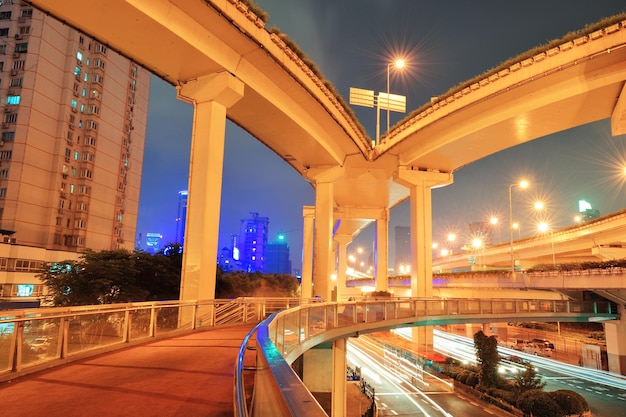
(600, 239)
(224, 61)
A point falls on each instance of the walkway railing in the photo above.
(282, 338)
(38, 338)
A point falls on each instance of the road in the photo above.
(397, 396)
(605, 392)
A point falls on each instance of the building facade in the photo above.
(72, 138)
(252, 242)
(277, 260)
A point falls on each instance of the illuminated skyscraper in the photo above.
(71, 143)
(181, 219)
(277, 257)
(252, 242)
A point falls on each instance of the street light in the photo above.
(493, 220)
(516, 226)
(521, 184)
(477, 243)
(543, 228)
(399, 64)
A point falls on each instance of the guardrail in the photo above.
(34, 339)
(280, 339)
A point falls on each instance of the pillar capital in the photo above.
(367, 213)
(325, 174)
(343, 239)
(308, 212)
(409, 177)
(221, 87)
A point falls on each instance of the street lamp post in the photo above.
(478, 243)
(521, 184)
(399, 63)
(545, 227)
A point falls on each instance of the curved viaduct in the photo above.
(224, 61)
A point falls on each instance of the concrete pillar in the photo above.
(615, 333)
(306, 284)
(323, 265)
(317, 365)
(342, 254)
(210, 96)
(322, 257)
(420, 184)
(381, 252)
(338, 399)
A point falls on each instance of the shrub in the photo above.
(539, 404)
(570, 402)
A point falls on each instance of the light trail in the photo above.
(392, 379)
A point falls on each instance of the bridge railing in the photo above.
(280, 339)
(37, 338)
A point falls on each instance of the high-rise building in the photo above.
(181, 219)
(252, 242)
(153, 242)
(71, 144)
(277, 259)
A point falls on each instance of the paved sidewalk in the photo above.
(185, 376)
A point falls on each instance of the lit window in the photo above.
(74, 103)
(13, 100)
(79, 56)
(25, 290)
(76, 155)
(77, 71)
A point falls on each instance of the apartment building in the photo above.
(73, 117)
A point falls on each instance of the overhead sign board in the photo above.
(392, 102)
(360, 97)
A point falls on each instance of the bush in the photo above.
(503, 394)
(539, 404)
(570, 402)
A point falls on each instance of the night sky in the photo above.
(445, 43)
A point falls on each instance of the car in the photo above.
(544, 342)
(511, 343)
(38, 344)
(537, 349)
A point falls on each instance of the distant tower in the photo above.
(153, 242)
(403, 248)
(277, 257)
(181, 219)
(253, 242)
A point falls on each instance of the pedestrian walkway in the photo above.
(185, 376)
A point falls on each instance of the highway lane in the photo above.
(397, 396)
(605, 392)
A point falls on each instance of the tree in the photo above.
(115, 276)
(527, 380)
(487, 353)
(254, 284)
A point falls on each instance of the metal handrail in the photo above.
(241, 407)
(285, 336)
